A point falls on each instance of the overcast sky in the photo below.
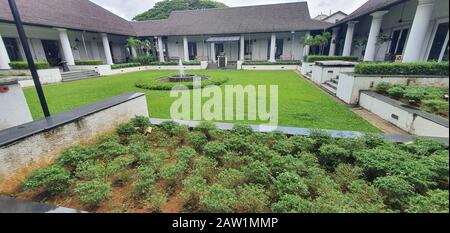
(129, 8)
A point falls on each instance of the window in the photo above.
(12, 48)
(439, 49)
(398, 41)
(192, 47)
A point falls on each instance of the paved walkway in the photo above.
(12, 205)
(379, 122)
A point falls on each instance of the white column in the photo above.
(160, 49)
(65, 44)
(349, 38)
(133, 52)
(418, 32)
(242, 48)
(377, 19)
(213, 52)
(186, 48)
(333, 41)
(273, 47)
(306, 48)
(4, 57)
(107, 48)
(293, 43)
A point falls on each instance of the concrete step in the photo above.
(329, 88)
(335, 81)
(78, 75)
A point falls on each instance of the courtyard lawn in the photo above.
(300, 103)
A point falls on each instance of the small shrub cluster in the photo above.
(143, 60)
(266, 63)
(88, 62)
(240, 171)
(23, 65)
(418, 68)
(125, 65)
(167, 86)
(430, 99)
(314, 58)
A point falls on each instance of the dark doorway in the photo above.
(192, 47)
(51, 49)
(220, 50)
(13, 49)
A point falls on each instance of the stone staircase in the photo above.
(331, 86)
(232, 65)
(78, 75)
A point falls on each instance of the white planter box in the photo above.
(269, 67)
(412, 121)
(47, 76)
(307, 68)
(350, 84)
(324, 71)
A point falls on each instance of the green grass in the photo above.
(300, 103)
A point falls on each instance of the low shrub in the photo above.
(143, 60)
(257, 172)
(314, 58)
(396, 191)
(218, 199)
(292, 204)
(111, 149)
(89, 62)
(290, 183)
(23, 65)
(126, 130)
(419, 68)
(144, 177)
(435, 201)
(267, 63)
(215, 150)
(383, 87)
(125, 65)
(231, 178)
(437, 106)
(141, 123)
(197, 140)
(73, 156)
(345, 174)
(252, 199)
(415, 93)
(397, 91)
(167, 86)
(92, 193)
(55, 179)
(331, 155)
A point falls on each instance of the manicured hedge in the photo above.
(314, 58)
(167, 86)
(125, 65)
(174, 63)
(88, 62)
(267, 63)
(417, 68)
(23, 65)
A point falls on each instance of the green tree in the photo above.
(162, 9)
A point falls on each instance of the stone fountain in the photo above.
(182, 76)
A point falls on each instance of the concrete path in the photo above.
(12, 205)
